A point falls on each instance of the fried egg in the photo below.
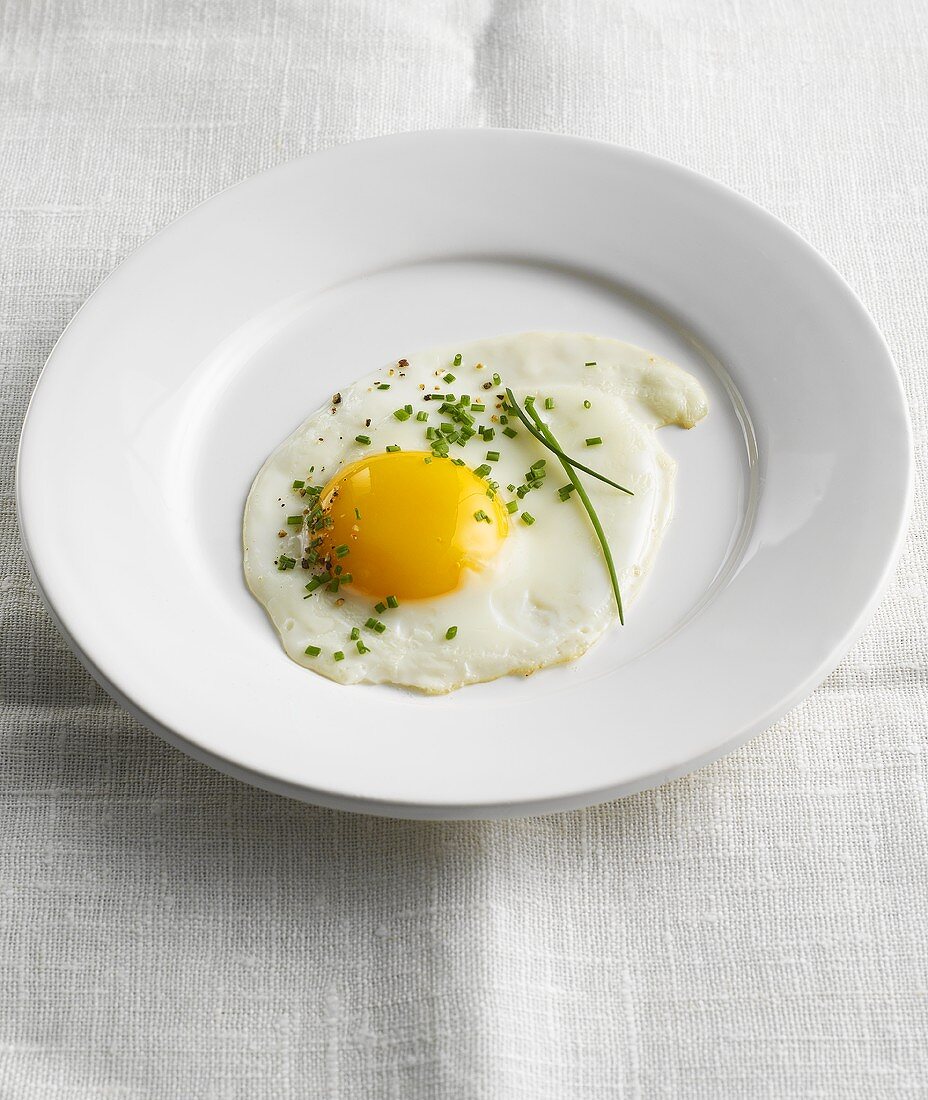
(415, 532)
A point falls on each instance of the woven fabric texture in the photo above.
(757, 929)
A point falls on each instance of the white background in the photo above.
(757, 929)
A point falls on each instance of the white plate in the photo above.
(215, 339)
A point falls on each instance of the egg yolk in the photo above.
(412, 524)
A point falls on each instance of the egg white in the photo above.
(545, 597)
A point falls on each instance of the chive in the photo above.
(298, 484)
(355, 634)
(294, 521)
(333, 584)
(552, 443)
(341, 551)
(589, 364)
(316, 582)
(285, 562)
(362, 648)
(504, 419)
(408, 409)
(480, 515)
(549, 402)
(393, 448)
(547, 439)
(588, 404)
(482, 470)
(511, 506)
(357, 514)
(401, 414)
(446, 428)
(392, 601)
(312, 650)
(493, 456)
(432, 433)
(527, 518)
(457, 360)
(478, 407)
(379, 628)
(540, 464)
(454, 461)
(497, 381)
(371, 623)
(450, 633)
(338, 655)
(488, 434)
(382, 385)
(427, 461)
(510, 433)
(422, 416)
(346, 578)
(465, 400)
(594, 441)
(565, 491)
(448, 377)
(380, 608)
(362, 439)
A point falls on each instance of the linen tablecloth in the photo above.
(757, 929)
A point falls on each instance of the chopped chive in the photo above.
(565, 491)
(449, 377)
(316, 582)
(493, 456)
(393, 448)
(333, 584)
(480, 515)
(422, 416)
(362, 439)
(588, 404)
(380, 608)
(482, 470)
(432, 433)
(465, 400)
(401, 414)
(510, 433)
(379, 628)
(527, 518)
(478, 407)
(497, 381)
(294, 521)
(382, 385)
(594, 441)
(511, 506)
(285, 562)
(504, 419)
(457, 360)
(357, 514)
(298, 484)
(450, 633)
(427, 461)
(590, 364)
(371, 623)
(408, 409)
(355, 634)
(392, 601)
(341, 551)
(346, 578)
(454, 461)
(540, 464)
(312, 650)
(488, 434)
(362, 648)
(338, 655)
(549, 402)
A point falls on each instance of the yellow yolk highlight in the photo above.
(408, 520)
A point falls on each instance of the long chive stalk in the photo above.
(581, 493)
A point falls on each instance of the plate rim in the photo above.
(443, 809)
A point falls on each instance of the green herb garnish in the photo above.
(450, 633)
(312, 650)
(549, 441)
(362, 439)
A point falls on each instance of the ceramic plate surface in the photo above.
(210, 344)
